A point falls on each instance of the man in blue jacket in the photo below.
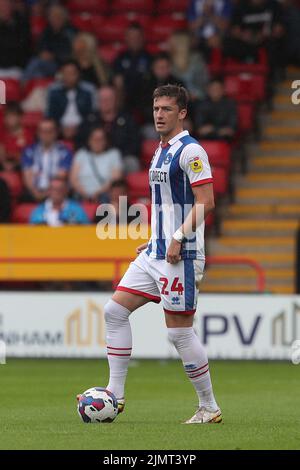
(58, 210)
(70, 100)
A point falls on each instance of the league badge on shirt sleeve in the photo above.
(196, 165)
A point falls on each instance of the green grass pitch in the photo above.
(260, 403)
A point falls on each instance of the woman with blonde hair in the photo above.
(93, 68)
(188, 66)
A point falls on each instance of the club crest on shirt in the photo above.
(168, 158)
(196, 165)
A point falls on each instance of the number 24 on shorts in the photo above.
(175, 287)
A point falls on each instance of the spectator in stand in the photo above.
(94, 169)
(70, 100)
(131, 66)
(14, 40)
(92, 67)
(58, 35)
(57, 209)
(160, 74)
(256, 23)
(118, 189)
(119, 125)
(216, 116)
(14, 137)
(187, 66)
(208, 21)
(41, 66)
(44, 160)
(5, 202)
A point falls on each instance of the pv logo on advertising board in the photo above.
(221, 324)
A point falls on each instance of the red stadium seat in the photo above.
(172, 6)
(140, 18)
(215, 65)
(232, 66)
(109, 52)
(156, 47)
(161, 29)
(148, 148)
(220, 181)
(37, 25)
(87, 21)
(36, 83)
(209, 221)
(113, 29)
(21, 213)
(90, 209)
(219, 153)
(138, 184)
(1, 116)
(245, 117)
(245, 87)
(31, 120)
(13, 90)
(14, 182)
(141, 6)
(89, 6)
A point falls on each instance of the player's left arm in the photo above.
(194, 162)
(204, 203)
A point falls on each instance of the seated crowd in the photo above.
(91, 115)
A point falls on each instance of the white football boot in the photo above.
(121, 405)
(203, 416)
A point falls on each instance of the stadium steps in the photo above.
(262, 227)
(217, 273)
(284, 133)
(293, 73)
(276, 164)
(244, 244)
(267, 260)
(246, 287)
(265, 180)
(288, 117)
(280, 146)
(268, 194)
(265, 211)
(273, 178)
(262, 223)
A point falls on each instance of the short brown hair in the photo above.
(173, 91)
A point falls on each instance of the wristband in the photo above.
(178, 236)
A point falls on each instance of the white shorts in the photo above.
(156, 279)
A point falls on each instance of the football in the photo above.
(97, 405)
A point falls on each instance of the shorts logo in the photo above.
(175, 301)
(196, 165)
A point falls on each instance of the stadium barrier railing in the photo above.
(117, 262)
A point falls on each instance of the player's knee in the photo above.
(115, 313)
(180, 336)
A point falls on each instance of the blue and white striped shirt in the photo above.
(175, 168)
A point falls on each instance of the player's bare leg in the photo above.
(195, 363)
(119, 339)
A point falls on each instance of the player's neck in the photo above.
(165, 138)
